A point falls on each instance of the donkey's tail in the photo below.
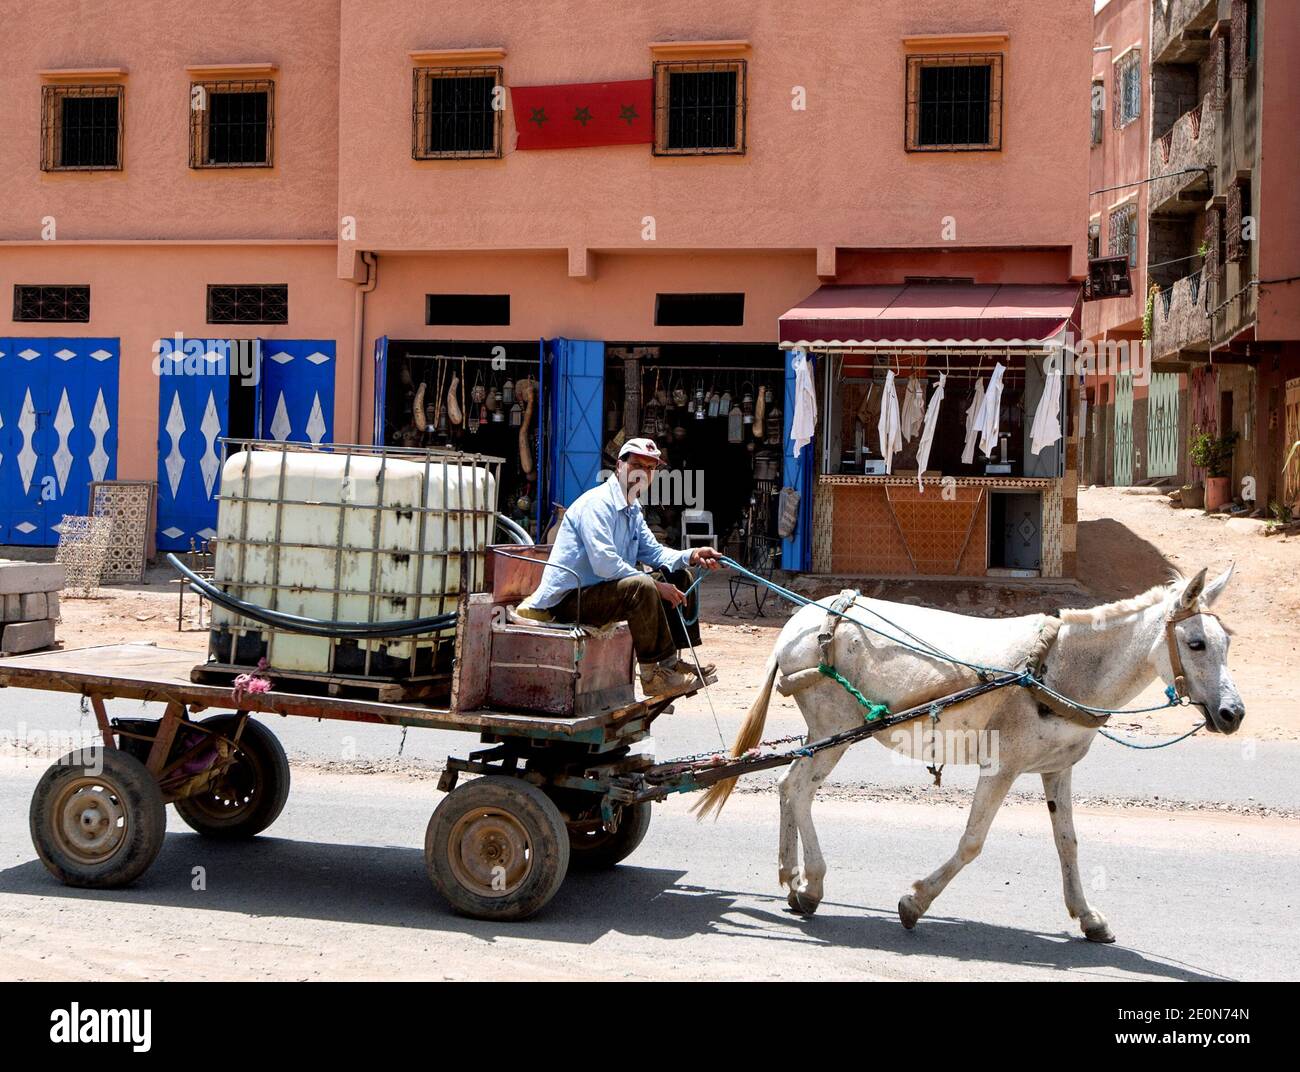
(748, 737)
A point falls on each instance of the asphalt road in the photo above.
(337, 889)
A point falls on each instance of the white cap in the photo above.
(642, 445)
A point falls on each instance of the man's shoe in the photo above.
(659, 680)
(684, 667)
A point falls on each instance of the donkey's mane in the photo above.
(1107, 612)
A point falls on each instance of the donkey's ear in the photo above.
(1192, 591)
(1215, 588)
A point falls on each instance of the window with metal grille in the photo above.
(81, 128)
(1098, 110)
(699, 108)
(51, 302)
(467, 308)
(699, 310)
(1128, 87)
(954, 102)
(456, 113)
(1123, 233)
(248, 303)
(231, 123)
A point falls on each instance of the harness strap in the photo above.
(834, 615)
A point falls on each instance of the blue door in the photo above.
(193, 415)
(58, 431)
(295, 390)
(578, 405)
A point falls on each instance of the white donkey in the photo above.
(1103, 657)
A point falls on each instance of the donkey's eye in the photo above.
(1196, 645)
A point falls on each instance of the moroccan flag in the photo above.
(594, 113)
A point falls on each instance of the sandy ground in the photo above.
(1127, 543)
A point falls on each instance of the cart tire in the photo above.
(601, 850)
(97, 818)
(497, 831)
(250, 795)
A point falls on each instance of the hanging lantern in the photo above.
(713, 403)
(747, 407)
(724, 404)
(735, 425)
(478, 393)
(498, 417)
(774, 427)
(679, 394)
(516, 414)
(508, 394)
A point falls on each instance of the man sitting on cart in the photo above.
(601, 540)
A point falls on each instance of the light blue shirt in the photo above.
(602, 537)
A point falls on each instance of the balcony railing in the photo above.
(1191, 143)
(1179, 322)
(1180, 29)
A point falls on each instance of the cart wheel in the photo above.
(497, 848)
(250, 795)
(599, 849)
(97, 818)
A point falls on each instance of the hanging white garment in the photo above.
(804, 422)
(1047, 418)
(972, 425)
(913, 408)
(927, 431)
(989, 419)
(891, 438)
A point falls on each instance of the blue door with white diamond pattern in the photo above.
(58, 431)
(193, 415)
(295, 394)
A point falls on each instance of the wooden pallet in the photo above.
(380, 690)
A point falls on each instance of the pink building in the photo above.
(619, 204)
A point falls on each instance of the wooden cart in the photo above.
(554, 708)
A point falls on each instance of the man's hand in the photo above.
(708, 557)
(670, 593)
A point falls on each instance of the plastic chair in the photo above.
(697, 528)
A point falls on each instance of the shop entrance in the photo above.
(1015, 531)
(715, 410)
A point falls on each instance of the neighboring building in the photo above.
(1222, 250)
(390, 202)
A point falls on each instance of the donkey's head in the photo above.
(1192, 652)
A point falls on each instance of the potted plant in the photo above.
(1214, 454)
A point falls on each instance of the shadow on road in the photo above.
(388, 886)
(1116, 563)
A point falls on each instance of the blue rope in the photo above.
(1160, 744)
(1026, 678)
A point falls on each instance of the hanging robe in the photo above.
(1047, 418)
(891, 438)
(804, 422)
(913, 408)
(990, 414)
(927, 431)
(972, 423)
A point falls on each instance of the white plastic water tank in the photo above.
(362, 537)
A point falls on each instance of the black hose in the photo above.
(311, 626)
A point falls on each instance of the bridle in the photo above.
(1171, 643)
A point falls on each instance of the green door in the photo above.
(1122, 474)
(1162, 425)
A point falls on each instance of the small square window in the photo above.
(51, 303)
(231, 123)
(81, 128)
(477, 309)
(700, 310)
(456, 113)
(248, 303)
(954, 102)
(700, 108)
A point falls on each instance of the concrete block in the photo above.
(27, 636)
(11, 608)
(34, 607)
(19, 577)
(52, 605)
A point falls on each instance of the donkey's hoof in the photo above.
(1099, 932)
(801, 903)
(909, 911)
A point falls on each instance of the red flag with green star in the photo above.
(574, 116)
